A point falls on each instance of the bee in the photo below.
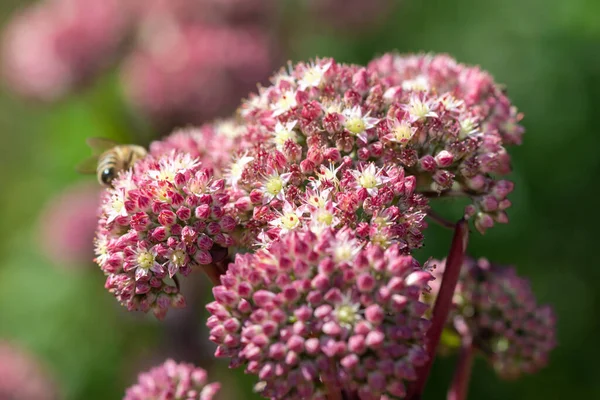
(109, 158)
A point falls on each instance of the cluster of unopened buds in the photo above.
(304, 210)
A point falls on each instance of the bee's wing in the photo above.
(87, 166)
(100, 145)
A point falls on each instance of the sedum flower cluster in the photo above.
(468, 121)
(318, 189)
(159, 222)
(318, 305)
(326, 146)
(508, 327)
(171, 380)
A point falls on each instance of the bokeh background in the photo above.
(134, 86)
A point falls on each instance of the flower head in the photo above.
(158, 222)
(290, 218)
(356, 123)
(452, 123)
(313, 75)
(370, 178)
(316, 307)
(509, 328)
(412, 112)
(178, 381)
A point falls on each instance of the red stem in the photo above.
(219, 265)
(213, 272)
(443, 303)
(460, 383)
(438, 219)
(334, 393)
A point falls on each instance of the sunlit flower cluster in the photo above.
(171, 380)
(444, 123)
(448, 125)
(318, 308)
(309, 133)
(509, 328)
(158, 222)
(318, 190)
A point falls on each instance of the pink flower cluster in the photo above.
(22, 376)
(323, 180)
(453, 122)
(56, 45)
(509, 328)
(305, 157)
(191, 71)
(447, 137)
(181, 61)
(67, 223)
(171, 380)
(159, 221)
(332, 146)
(317, 304)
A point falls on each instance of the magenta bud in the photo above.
(444, 159)
(202, 212)
(427, 163)
(203, 257)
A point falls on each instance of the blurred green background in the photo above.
(548, 55)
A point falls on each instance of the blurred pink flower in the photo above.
(210, 11)
(52, 47)
(191, 73)
(509, 327)
(22, 377)
(67, 223)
